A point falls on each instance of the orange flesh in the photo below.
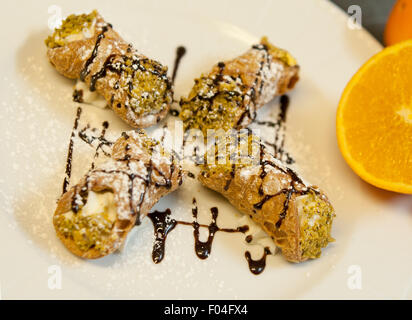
(374, 120)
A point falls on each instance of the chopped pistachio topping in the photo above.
(91, 227)
(212, 103)
(279, 53)
(148, 85)
(316, 215)
(151, 145)
(72, 25)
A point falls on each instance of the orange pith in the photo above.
(374, 120)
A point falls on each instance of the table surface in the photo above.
(374, 13)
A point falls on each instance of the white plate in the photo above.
(372, 228)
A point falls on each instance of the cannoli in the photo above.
(296, 215)
(230, 94)
(94, 217)
(137, 88)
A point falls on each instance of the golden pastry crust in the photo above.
(135, 87)
(298, 217)
(229, 96)
(139, 173)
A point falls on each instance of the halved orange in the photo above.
(374, 120)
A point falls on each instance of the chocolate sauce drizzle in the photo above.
(78, 96)
(180, 52)
(70, 151)
(257, 266)
(248, 112)
(103, 144)
(191, 175)
(203, 249)
(296, 186)
(93, 56)
(108, 65)
(163, 224)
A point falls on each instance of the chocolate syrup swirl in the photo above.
(163, 224)
(257, 266)
(203, 249)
